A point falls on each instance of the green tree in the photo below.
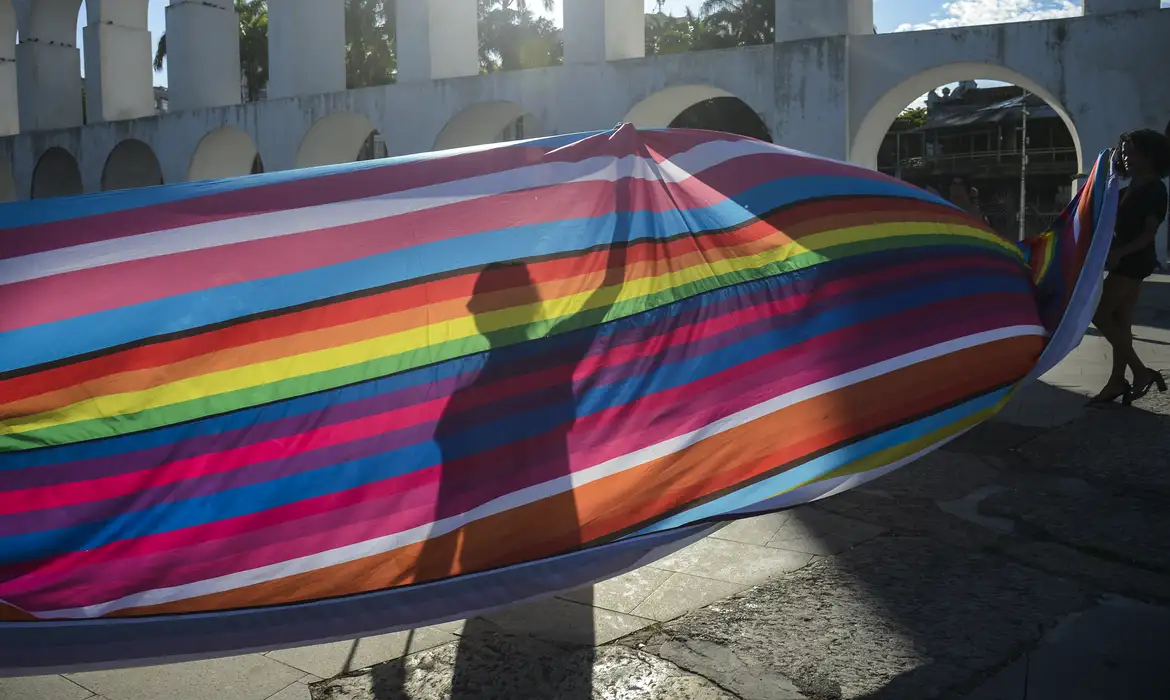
(666, 34)
(370, 57)
(369, 50)
(253, 45)
(512, 37)
(737, 23)
(910, 118)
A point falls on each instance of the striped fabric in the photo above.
(1057, 256)
(308, 385)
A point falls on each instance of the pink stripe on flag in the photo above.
(318, 190)
(70, 295)
(646, 422)
(89, 490)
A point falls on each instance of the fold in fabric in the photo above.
(287, 408)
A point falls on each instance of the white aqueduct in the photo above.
(829, 85)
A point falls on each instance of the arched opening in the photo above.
(1004, 150)
(867, 140)
(225, 152)
(340, 138)
(7, 182)
(698, 107)
(131, 164)
(488, 122)
(56, 175)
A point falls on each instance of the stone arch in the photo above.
(56, 175)
(488, 122)
(867, 140)
(699, 106)
(131, 164)
(341, 137)
(225, 152)
(7, 182)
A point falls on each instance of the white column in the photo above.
(604, 30)
(9, 104)
(814, 19)
(118, 55)
(203, 54)
(306, 47)
(1103, 7)
(9, 95)
(48, 65)
(437, 39)
(49, 78)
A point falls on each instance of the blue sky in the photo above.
(889, 15)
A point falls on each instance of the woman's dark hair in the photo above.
(1153, 146)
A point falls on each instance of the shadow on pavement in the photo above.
(980, 550)
(988, 551)
(986, 547)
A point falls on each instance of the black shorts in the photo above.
(1136, 266)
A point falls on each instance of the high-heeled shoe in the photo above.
(1140, 389)
(1124, 394)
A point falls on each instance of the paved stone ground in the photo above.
(1028, 560)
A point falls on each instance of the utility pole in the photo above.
(898, 155)
(1023, 163)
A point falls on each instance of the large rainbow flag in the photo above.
(317, 404)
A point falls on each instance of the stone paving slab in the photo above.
(42, 688)
(565, 621)
(1131, 447)
(622, 593)
(743, 676)
(296, 691)
(1118, 650)
(898, 618)
(328, 660)
(1128, 527)
(820, 533)
(682, 593)
(735, 562)
(503, 667)
(1102, 574)
(250, 677)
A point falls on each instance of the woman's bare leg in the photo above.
(1109, 320)
(1124, 315)
(1144, 378)
(1114, 318)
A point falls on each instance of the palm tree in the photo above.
(666, 34)
(522, 5)
(160, 53)
(370, 57)
(741, 22)
(512, 37)
(253, 45)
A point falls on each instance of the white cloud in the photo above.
(962, 13)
